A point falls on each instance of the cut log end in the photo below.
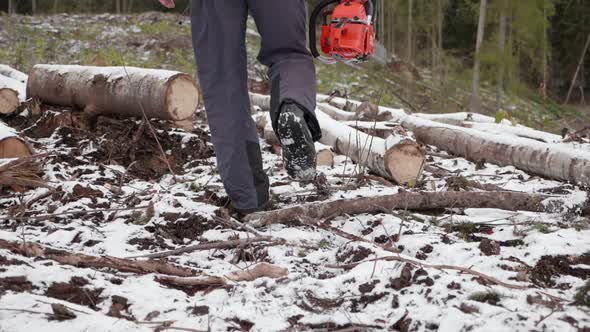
(183, 98)
(8, 101)
(325, 157)
(405, 162)
(13, 147)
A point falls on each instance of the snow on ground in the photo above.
(373, 296)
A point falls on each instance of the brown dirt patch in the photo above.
(352, 255)
(551, 266)
(16, 284)
(72, 292)
(191, 228)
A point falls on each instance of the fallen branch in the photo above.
(207, 246)
(421, 201)
(262, 270)
(61, 214)
(432, 266)
(85, 261)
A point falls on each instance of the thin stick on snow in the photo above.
(432, 266)
(50, 216)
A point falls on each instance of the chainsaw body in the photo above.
(347, 32)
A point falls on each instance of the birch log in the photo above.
(552, 161)
(402, 162)
(166, 95)
(548, 160)
(13, 73)
(11, 94)
(11, 145)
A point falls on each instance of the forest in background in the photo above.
(527, 46)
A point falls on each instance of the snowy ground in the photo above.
(551, 253)
(116, 165)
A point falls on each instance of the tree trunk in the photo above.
(501, 54)
(548, 160)
(13, 73)
(34, 7)
(402, 161)
(11, 8)
(118, 6)
(11, 145)
(11, 94)
(475, 102)
(422, 201)
(410, 34)
(569, 93)
(132, 92)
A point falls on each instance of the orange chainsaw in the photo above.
(348, 32)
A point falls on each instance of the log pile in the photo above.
(521, 147)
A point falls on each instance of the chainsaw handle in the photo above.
(313, 20)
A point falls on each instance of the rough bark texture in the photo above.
(535, 157)
(118, 91)
(86, 261)
(402, 162)
(547, 160)
(11, 145)
(511, 201)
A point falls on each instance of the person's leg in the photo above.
(219, 33)
(282, 26)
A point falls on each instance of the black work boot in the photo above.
(299, 154)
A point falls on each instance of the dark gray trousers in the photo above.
(219, 33)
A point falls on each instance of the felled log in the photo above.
(13, 73)
(12, 92)
(131, 92)
(548, 160)
(488, 124)
(402, 162)
(85, 261)
(11, 145)
(423, 201)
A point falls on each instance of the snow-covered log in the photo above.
(11, 145)
(12, 92)
(402, 162)
(13, 73)
(121, 91)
